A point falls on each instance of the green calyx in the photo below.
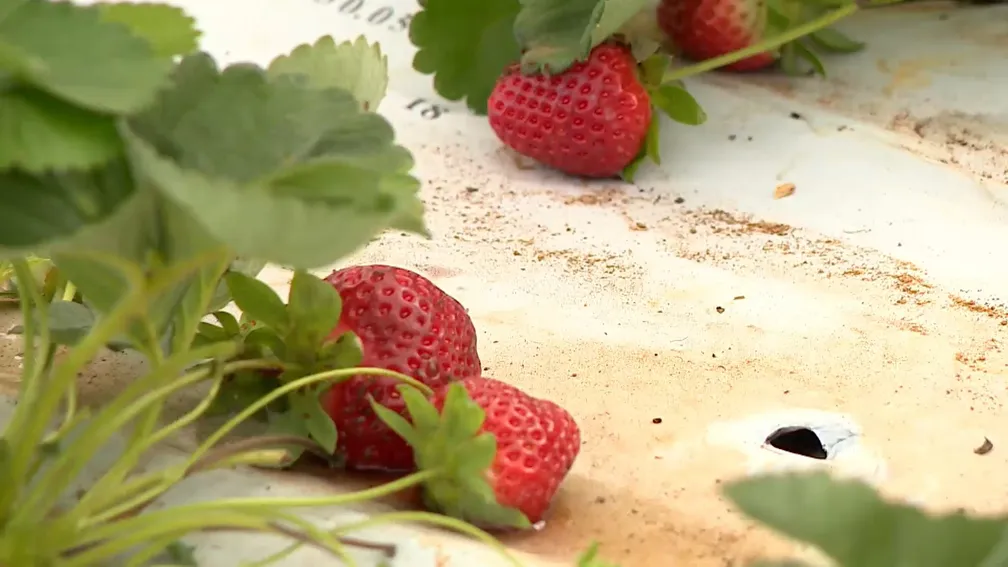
(668, 97)
(451, 443)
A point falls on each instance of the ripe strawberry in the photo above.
(704, 29)
(407, 324)
(536, 444)
(591, 120)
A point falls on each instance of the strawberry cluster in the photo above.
(407, 324)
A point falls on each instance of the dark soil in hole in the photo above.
(799, 441)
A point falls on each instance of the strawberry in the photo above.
(407, 324)
(704, 29)
(479, 481)
(591, 120)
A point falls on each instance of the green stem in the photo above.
(102, 543)
(25, 433)
(333, 376)
(775, 42)
(111, 494)
(151, 389)
(113, 417)
(69, 291)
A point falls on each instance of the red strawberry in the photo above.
(704, 29)
(537, 442)
(591, 120)
(407, 324)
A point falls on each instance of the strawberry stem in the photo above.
(775, 42)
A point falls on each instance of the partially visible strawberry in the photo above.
(407, 324)
(591, 120)
(704, 29)
(479, 481)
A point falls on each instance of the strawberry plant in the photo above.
(156, 184)
(580, 85)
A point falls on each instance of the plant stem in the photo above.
(333, 376)
(775, 42)
(418, 517)
(102, 543)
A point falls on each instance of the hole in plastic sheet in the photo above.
(798, 441)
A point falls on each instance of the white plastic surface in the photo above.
(902, 153)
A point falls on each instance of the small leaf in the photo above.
(344, 352)
(465, 45)
(830, 39)
(319, 425)
(181, 554)
(314, 308)
(809, 57)
(210, 332)
(240, 391)
(69, 322)
(678, 104)
(258, 300)
(590, 558)
(168, 30)
(422, 412)
(859, 528)
(553, 34)
(228, 323)
(396, 423)
(99, 65)
(358, 67)
(266, 337)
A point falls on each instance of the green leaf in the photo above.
(271, 168)
(306, 406)
(267, 338)
(849, 522)
(678, 104)
(314, 307)
(168, 30)
(258, 300)
(357, 67)
(344, 352)
(553, 34)
(590, 558)
(211, 332)
(465, 45)
(69, 322)
(227, 322)
(617, 14)
(809, 57)
(181, 554)
(40, 132)
(248, 267)
(241, 390)
(830, 39)
(41, 210)
(96, 64)
(453, 444)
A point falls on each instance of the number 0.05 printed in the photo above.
(372, 14)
